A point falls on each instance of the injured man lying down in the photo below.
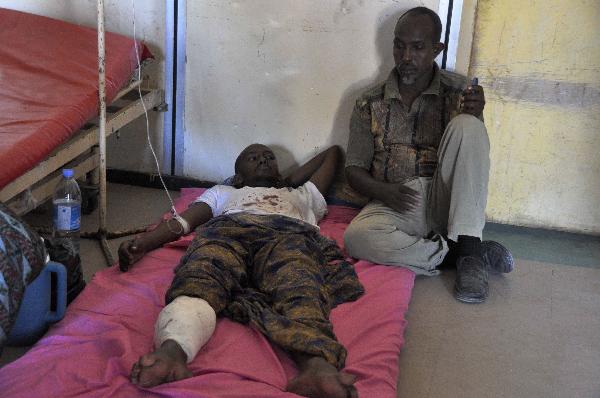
(257, 258)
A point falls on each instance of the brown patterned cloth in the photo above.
(395, 143)
(22, 257)
(275, 272)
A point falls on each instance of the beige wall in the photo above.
(130, 150)
(281, 72)
(540, 65)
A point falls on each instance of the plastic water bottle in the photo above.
(66, 202)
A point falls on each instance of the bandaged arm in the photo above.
(171, 229)
(189, 321)
(167, 231)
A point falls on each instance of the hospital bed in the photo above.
(49, 103)
(111, 323)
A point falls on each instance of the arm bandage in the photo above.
(185, 226)
(190, 321)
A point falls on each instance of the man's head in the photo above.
(416, 44)
(256, 166)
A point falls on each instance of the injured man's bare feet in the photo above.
(164, 365)
(319, 379)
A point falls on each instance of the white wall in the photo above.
(150, 26)
(284, 73)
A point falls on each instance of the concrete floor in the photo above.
(536, 336)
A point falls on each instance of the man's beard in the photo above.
(407, 79)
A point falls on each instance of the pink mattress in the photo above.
(49, 84)
(90, 352)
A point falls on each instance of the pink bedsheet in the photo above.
(90, 352)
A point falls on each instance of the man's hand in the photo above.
(129, 253)
(399, 197)
(473, 101)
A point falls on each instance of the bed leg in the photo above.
(94, 175)
(105, 249)
(102, 135)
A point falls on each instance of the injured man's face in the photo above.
(257, 166)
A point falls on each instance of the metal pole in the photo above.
(102, 134)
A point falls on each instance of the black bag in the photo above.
(64, 252)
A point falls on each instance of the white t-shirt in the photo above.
(304, 203)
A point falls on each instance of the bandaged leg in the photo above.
(189, 321)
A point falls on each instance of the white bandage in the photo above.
(190, 321)
(185, 226)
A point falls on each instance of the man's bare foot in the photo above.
(166, 364)
(319, 379)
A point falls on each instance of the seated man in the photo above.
(419, 151)
(257, 257)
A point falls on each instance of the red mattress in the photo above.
(49, 84)
(105, 330)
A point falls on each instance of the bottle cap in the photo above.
(68, 173)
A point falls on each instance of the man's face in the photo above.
(415, 48)
(258, 166)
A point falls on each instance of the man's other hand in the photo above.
(473, 101)
(129, 253)
(399, 197)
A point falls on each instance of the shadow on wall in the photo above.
(339, 134)
(384, 43)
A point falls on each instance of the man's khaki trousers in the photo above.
(452, 203)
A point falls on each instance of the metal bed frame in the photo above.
(85, 151)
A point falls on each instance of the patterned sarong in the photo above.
(274, 272)
(22, 256)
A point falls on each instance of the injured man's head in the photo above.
(256, 166)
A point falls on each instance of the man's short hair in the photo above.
(238, 160)
(437, 23)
